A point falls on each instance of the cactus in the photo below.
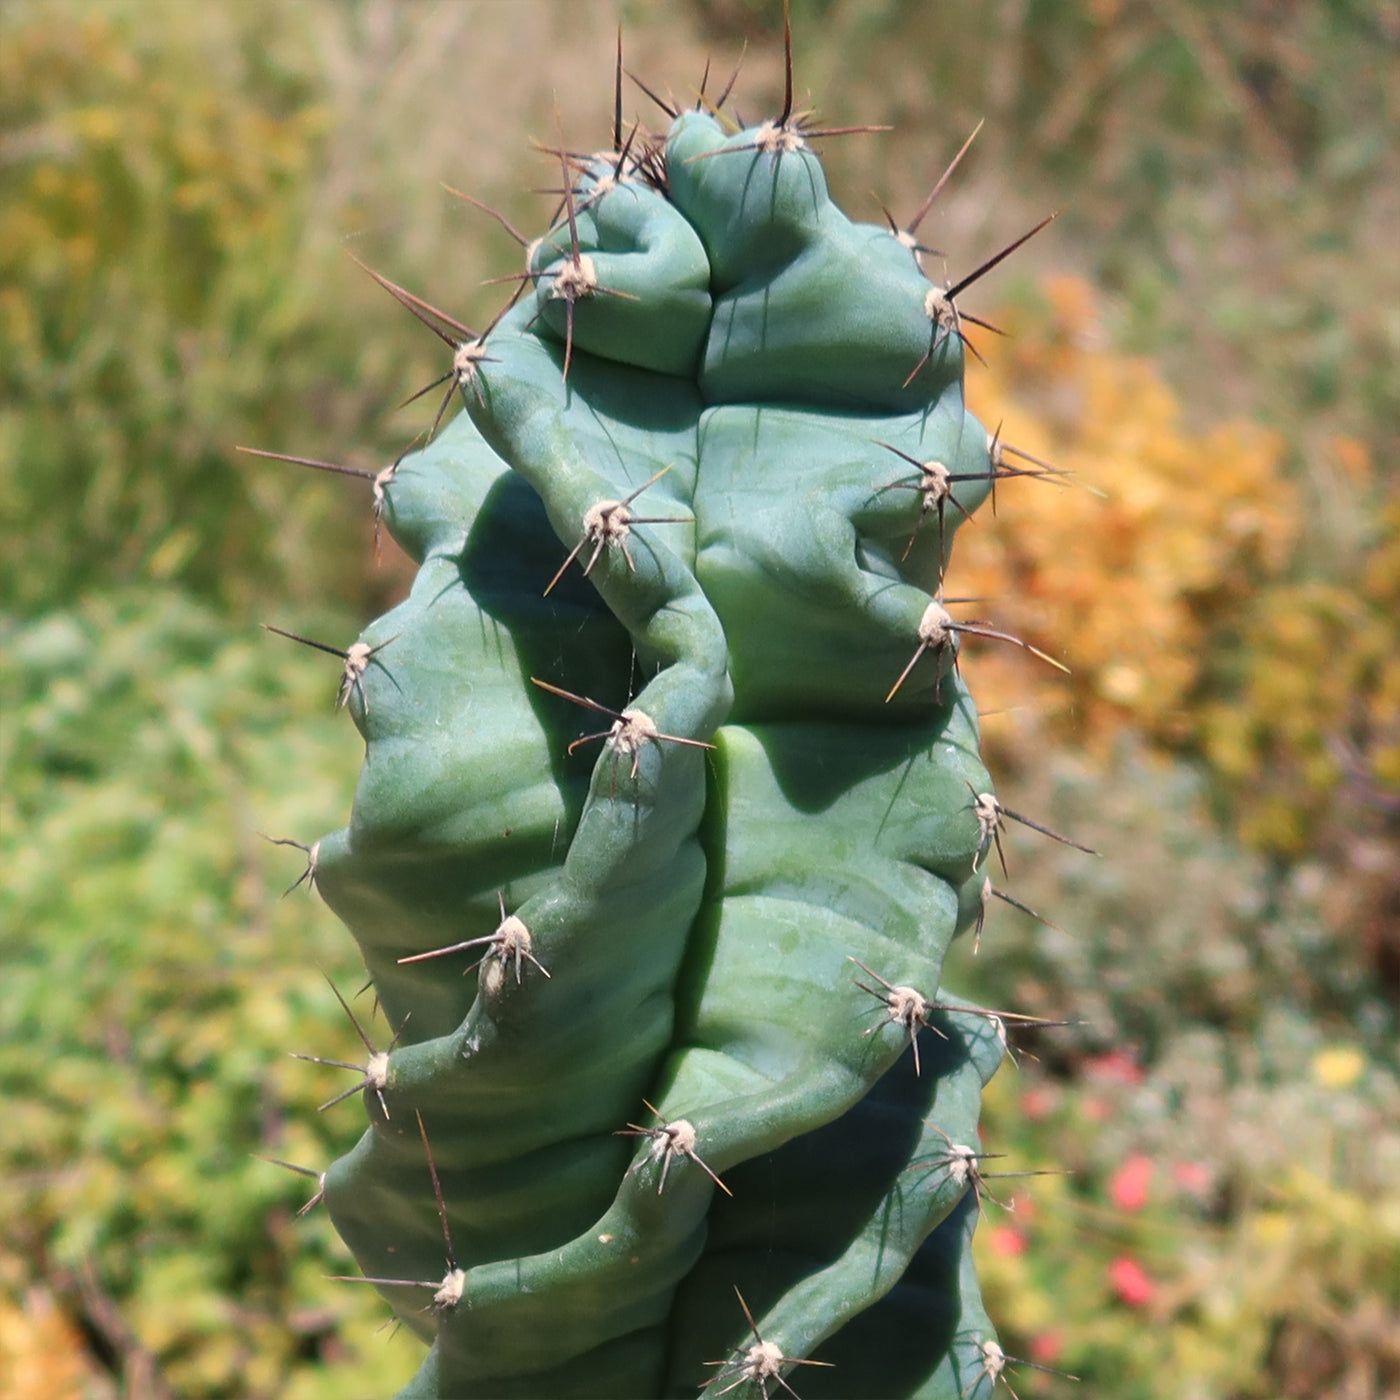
(671, 807)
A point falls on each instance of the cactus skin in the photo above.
(695, 909)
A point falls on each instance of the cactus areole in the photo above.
(666, 772)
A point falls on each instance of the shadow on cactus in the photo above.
(671, 754)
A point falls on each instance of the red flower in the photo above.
(1132, 1283)
(1128, 1186)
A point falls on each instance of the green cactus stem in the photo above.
(670, 770)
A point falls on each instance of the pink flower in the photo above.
(1045, 1347)
(1025, 1207)
(1093, 1108)
(1132, 1283)
(1128, 1186)
(1006, 1240)
(1116, 1067)
(1194, 1178)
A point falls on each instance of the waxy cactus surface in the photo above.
(670, 812)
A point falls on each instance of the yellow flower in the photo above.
(1338, 1066)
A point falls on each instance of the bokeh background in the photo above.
(1207, 338)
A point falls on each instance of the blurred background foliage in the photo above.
(1206, 338)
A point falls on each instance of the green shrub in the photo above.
(151, 994)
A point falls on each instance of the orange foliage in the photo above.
(42, 1356)
(1164, 585)
(1122, 586)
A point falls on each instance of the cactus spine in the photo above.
(671, 808)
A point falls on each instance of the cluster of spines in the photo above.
(606, 526)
